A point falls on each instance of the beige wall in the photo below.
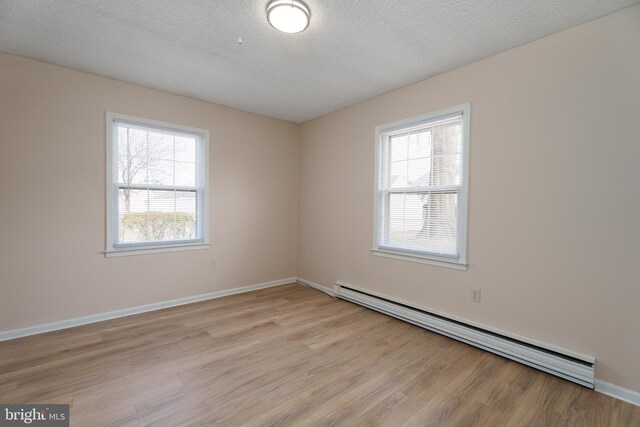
(52, 197)
(554, 239)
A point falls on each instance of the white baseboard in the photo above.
(84, 320)
(618, 392)
(313, 285)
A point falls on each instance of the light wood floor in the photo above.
(286, 356)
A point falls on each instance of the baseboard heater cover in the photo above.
(568, 367)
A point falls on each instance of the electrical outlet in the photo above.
(214, 264)
(475, 295)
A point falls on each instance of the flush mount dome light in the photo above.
(288, 16)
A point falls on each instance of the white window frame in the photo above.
(203, 211)
(459, 263)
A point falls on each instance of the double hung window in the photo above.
(421, 188)
(157, 186)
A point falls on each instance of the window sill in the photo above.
(142, 250)
(404, 256)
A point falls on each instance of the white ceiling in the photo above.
(353, 50)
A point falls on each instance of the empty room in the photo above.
(319, 213)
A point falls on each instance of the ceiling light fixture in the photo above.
(288, 16)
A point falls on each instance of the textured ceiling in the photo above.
(353, 50)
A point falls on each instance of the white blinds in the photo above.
(419, 188)
(157, 185)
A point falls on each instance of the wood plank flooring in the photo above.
(288, 355)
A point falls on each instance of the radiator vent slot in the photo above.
(567, 366)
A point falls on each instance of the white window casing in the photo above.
(157, 186)
(421, 188)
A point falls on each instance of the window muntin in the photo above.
(421, 187)
(157, 186)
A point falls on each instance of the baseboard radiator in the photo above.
(562, 365)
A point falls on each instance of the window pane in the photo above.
(405, 220)
(186, 215)
(161, 172)
(150, 157)
(160, 146)
(425, 222)
(161, 215)
(410, 164)
(185, 174)
(122, 172)
(132, 206)
(420, 144)
(157, 215)
(137, 154)
(447, 170)
(122, 141)
(448, 139)
(399, 147)
(186, 149)
(419, 172)
(399, 174)
(414, 172)
(442, 229)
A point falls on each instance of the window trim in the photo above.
(148, 248)
(413, 256)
